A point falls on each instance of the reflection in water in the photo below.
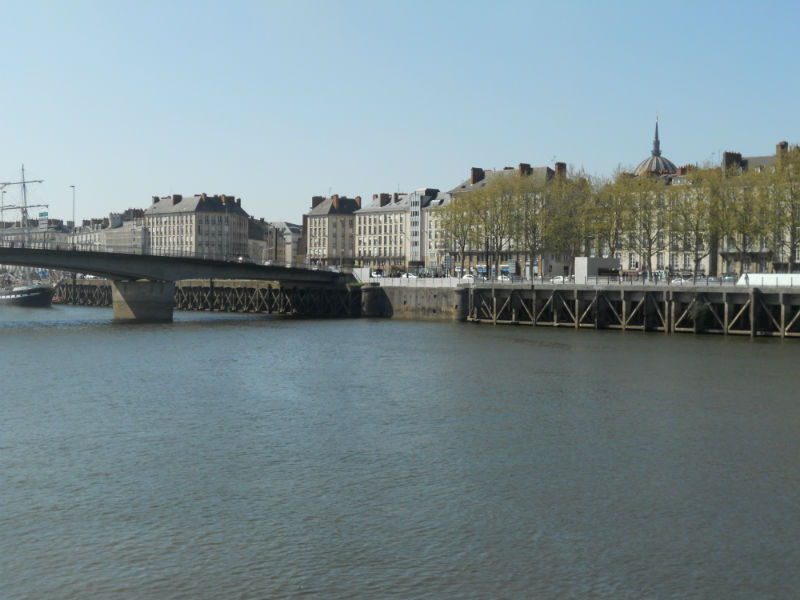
(242, 456)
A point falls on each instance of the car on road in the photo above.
(468, 277)
(408, 275)
(559, 279)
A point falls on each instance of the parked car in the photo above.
(559, 279)
(376, 274)
(503, 278)
(409, 275)
(468, 277)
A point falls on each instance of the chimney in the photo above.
(156, 199)
(385, 199)
(176, 198)
(358, 202)
(524, 169)
(394, 198)
(782, 147)
(476, 175)
(335, 202)
(305, 223)
(238, 202)
(731, 160)
(561, 169)
(316, 201)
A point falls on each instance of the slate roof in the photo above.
(287, 227)
(441, 199)
(539, 173)
(655, 163)
(757, 162)
(347, 206)
(194, 204)
(403, 203)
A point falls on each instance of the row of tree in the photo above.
(741, 213)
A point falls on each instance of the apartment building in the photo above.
(434, 243)
(382, 233)
(211, 227)
(475, 258)
(329, 230)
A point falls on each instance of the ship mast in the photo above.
(24, 206)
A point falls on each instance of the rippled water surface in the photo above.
(240, 457)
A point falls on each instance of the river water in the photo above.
(226, 456)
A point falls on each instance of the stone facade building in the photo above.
(211, 227)
(329, 230)
(434, 243)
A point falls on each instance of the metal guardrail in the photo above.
(452, 282)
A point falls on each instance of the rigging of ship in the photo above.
(26, 292)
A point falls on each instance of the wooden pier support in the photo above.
(686, 309)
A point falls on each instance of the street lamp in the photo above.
(73, 215)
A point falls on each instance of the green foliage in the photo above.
(736, 213)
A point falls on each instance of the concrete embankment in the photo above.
(420, 303)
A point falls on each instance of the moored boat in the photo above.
(39, 296)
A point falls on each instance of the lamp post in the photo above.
(73, 215)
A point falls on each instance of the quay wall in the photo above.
(725, 310)
(419, 303)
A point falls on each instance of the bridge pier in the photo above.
(142, 301)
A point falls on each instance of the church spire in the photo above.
(656, 143)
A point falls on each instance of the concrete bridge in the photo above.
(143, 286)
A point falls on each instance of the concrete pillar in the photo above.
(143, 301)
(374, 302)
(783, 315)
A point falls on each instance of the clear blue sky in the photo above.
(275, 102)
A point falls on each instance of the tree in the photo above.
(528, 226)
(693, 213)
(458, 224)
(495, 216)
(782, 197)
(608, 218)
(742, 217)
(645, 215)
(566, 230)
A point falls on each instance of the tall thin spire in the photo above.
(656, 143)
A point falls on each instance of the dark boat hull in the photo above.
(33, 296)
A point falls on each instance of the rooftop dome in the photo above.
(656, 163)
